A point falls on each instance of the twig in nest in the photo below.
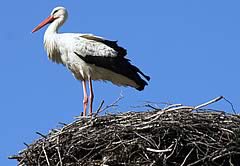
(176, 143)
(185, 159)
(45, 153)
(150, 106)
(179, 108)
(209, 102)
(231, 105)
(196, 162)
(114, 104)
(26, 144)
(41, 134)
(172, 106)
(58, 151)
(61, 123)
(99, 109)
(148, 140)
(158, 151)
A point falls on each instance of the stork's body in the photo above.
(89, 57)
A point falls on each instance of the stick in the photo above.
(45, 153)
(113, 104)
(177, 108)
(172, 106)
(58, 151)
(26, 144)
(231, 105)
(158, 151)
(41, 135)
(227, 130)
(150, 106)
(176, 143)
(185, 159)
(99, 109)
(209, 102)
(59, 155)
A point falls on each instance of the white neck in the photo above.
(50, 42)
(53, 27)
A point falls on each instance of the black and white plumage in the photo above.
(89, 57)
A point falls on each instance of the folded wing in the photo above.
(108, 55)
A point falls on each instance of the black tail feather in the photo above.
(140, 72)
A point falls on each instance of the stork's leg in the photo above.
(85, 98)
(91, 96)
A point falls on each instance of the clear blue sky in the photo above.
(191, 50)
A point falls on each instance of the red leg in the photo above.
(85, 98)
(91, 96)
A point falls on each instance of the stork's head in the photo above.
(58, 14)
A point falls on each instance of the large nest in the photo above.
(176, 135)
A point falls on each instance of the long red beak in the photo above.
(43, 23)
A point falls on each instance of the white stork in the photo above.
(89, 57)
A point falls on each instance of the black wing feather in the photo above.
(119, 65)
(113, 44)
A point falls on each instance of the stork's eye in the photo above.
(55, 12)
